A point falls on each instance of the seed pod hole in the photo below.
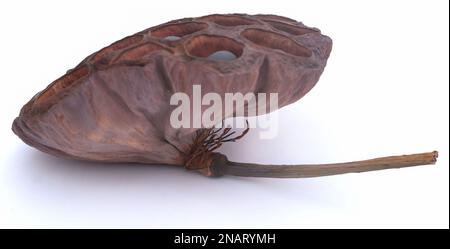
(222, 55)
(172, 38)
(275, 41)
(177, 30)
(126, 42)
(229, 20)
(291, 29)
(214, 47)
(139, 52)
(266, 17)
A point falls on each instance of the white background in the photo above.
(384, 92)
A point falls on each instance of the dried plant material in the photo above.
(114, 106)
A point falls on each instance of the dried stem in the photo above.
(315, 170)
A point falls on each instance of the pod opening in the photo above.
(214, 47)
(275, 41)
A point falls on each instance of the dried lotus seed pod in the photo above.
(114, 106)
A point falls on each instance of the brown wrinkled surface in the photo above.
(114, 106)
